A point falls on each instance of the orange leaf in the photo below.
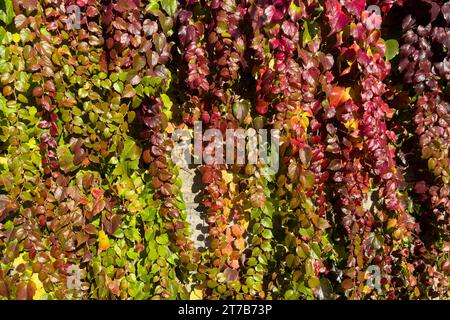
(347, 284)
(237, 230)
(234, 264)
(227, 250)
(228, 235)
(338, 96)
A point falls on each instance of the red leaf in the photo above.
(97, 193)
(262, 106)
(421, 187)
(337, 19)
(355, 7)
(371, 21)
(289, 28)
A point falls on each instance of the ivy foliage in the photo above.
(90, 201)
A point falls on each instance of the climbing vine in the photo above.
(356, 104)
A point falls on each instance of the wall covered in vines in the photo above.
(90, 198)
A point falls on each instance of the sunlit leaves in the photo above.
(392, 49)
(85, 171)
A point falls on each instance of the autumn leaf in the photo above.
(196, 294)
(103, 241)
(239, 243)
(338, 96)
(237, 231)
(351, 124)
(227, 177)
(347, 284)
(97, 193)
(99, 205)
(233, 264)
(227, 250)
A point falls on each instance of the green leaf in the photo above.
(169, 6)
(22, 84)
(290, 295)
(267, 222)
(392, 49)
(123, 76)
(65, 157)
(162, 239)
(118, 86)
(7, 12)
(265, 245)
(167, 106)
(166, 101)
(306, 36)
(267, 234)
(2, 34)
(153, 6)
(316, 252)
(252, 262)
(114, 77)
(314, 282)
(241, 109)
(131, 151)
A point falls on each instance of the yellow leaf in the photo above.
(305, 119)
(244, 223)
(170, 128)
(17, 261)
(240, 243)
(351, 124)
(232, 187)
(391, 223)
(103, 241)
(40, 291)
(196, 294)
(227, 177)
(226, 211)
(16, 37)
